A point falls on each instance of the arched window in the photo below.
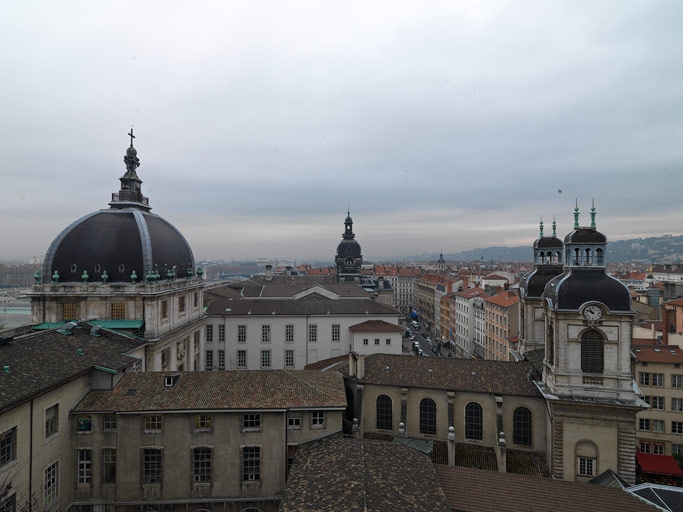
(592, 352)
(474, 425)
(427, 417)
(589, 257)
(600, 257)
(384, 411)
(577, 257)
(522, 426)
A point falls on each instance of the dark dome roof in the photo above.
(585, 236)
(548, 242)
(348, 248)
(118, 241)
(575, 287)
(534, 282)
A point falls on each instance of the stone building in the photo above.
(129, 269)
(349, 258)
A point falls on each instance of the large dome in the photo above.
(574, 288)
(124, 239)
(348, 248)
(118, 241)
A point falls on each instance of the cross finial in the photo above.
(131, 135)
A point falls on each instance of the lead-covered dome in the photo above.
(124, 240)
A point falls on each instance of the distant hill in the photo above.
(661, 249)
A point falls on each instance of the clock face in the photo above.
(592, 313)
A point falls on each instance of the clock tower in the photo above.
(587, 376)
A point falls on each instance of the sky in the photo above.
(441, 125)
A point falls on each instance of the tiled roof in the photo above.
(504, 299)
(309, 305)
(236, 389)
(335, 474)
(451, 374)
(44, 360)
(376, 326)
(471, 292)
(658, 353)
(475, 490)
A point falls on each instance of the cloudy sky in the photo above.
(443, 125)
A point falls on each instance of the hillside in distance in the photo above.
(661, 249)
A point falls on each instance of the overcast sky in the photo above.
(443, 125)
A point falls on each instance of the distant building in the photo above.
(349, 259)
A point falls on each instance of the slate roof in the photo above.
(475, 490)
(452, 374)
(376, 326)
(236, 389)
(44, 360)
(309, 305)
(345, 474)
(665, 496)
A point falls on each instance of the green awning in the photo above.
(47, 325)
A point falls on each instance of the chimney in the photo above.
(269, 272)
(665, 325)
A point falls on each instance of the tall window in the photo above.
(522, 426)
(251, 463)
(318, 419)
(221, 332)
(84, 466)
(202, 465)
(474, 425)
(209, 359)
(202, 423)
(8, 446)
(152, 423)
(427, 416)
(251, 422)
(265, 358)
(677, 381)
(586, 466)
(289, 359)
(677, 404)
(70, 311)
(181, 304)
(336, 332)
(209, 333)
(384, 413)
(221, 359)
(592, 352)
(164, 309)
(51, 421)
(289, 333)
(312, 333)
(265, 333)
(151, 466)
(241, 333)
(108, 465)
(109, 422)
(118, 311)
(51, 484)
(241, 359)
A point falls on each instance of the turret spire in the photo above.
(554, 227)
(593, 214)
(541, 228)
(576, 215)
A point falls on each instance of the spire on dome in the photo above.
(541, 228)
(593, 214)
(130, 194)
(554, 227)
(576, 215)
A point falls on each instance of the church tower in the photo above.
(587, 377)
(548, 251)
(349, 258)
